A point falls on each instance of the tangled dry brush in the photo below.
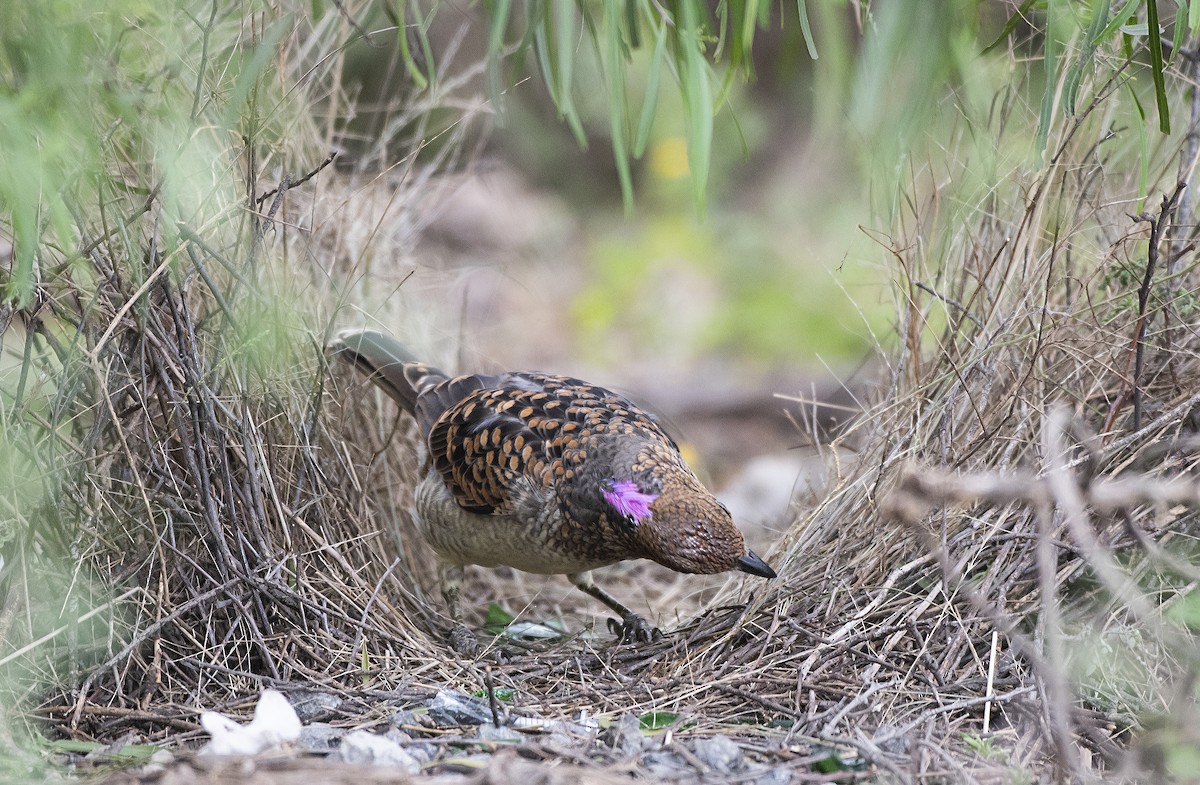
(994, 580)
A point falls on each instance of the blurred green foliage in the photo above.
(58, 103)
(685, 289)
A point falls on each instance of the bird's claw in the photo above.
(634, 629)
(463, 641)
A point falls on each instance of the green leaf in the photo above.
(650, 104)
(427, 48)
(632, 24)
(1086, 55)
(410, 64)
(1154, 40)
(616, 102)
(1010, 25)
(130, 752)
(829, 765)
(252, 69)
(1180, 31)
(1187, 611)
(750, 11)
(1182, 759)
(657, 720)
(497, 616)
(697, 99)
(1119, 19)
(806, 28)
(566, 32)
(74, 745)
(836, 761)
(1051, 46)
(497, 26)
(554, 48)
(135, 752)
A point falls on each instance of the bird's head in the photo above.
(673, 520)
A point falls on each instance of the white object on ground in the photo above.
(364, 748)
(274, 723)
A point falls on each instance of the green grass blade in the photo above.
(697, 98)
(633, 24)
(427, 48)
(1086, 56)
(498, 25)
(1010, 25)
(1180, 31)
(253, 69)
(746, 34)
(410, 64)
(1154, 40)
(541, 54)
(1117, 21)
(616, 99)
(1099, 22)
(566, 33)
(1050, 66)
(1143, 149)
(650, 105)
(1193, 16)
(806, 28)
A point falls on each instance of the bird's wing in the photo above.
(525, 428)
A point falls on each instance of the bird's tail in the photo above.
(388, 364)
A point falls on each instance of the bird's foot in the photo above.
(634, 629)
(463, 641)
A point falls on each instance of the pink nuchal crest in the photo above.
(628, 500)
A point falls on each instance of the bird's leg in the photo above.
(632, 627)
(461, 639)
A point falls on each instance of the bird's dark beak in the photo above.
(752, 564)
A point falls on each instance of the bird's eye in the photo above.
(632, 521)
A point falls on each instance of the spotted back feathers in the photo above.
(533, 426)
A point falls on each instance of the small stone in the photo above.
(449, 707)
(559, 739)
(467, 764)
(891, 740)
(157, 763)
(719, 753)
(320, 737)
(397, 735)
(421, 751)
(162, 757)
(503, 735)
(666, 765)
(363, 748)
(769, 775)
(424, 752)
(403, 717)
(562, 729)
(625, 735)
(314, 705)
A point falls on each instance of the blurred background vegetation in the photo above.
(746, 153)
(699, 191)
